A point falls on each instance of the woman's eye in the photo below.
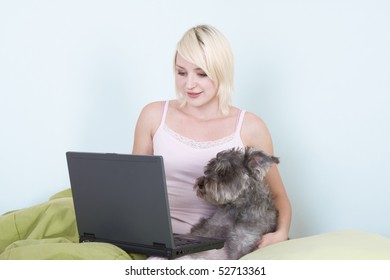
(202, 75)
(180, 73)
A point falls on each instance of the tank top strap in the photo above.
(240, 120)
(164, 113)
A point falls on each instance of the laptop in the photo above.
(122, 199)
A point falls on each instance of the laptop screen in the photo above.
(120, 197)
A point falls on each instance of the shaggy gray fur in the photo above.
(234, 181)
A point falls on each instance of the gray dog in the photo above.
(234, 181)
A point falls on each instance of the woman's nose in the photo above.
(190, 83)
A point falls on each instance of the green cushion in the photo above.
(340, 245)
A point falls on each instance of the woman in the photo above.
(192, 129)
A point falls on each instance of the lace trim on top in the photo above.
(198, 144)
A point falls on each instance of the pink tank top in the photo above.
(184, 161)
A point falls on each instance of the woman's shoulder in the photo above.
(255, 132)
(253, 120)
(153, 107)
(157, 107)
(152, 111)
(150, 116)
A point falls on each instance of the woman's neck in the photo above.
(202, 113)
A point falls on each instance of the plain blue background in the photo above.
(74, 75)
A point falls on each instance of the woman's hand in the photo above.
(272, 238)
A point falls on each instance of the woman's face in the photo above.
(193, 83)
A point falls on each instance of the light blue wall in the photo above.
(74, 75)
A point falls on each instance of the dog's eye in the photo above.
(222, 173)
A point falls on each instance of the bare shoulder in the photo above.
(255, 133)
(151, 113)
(147, 124)
(152, 109)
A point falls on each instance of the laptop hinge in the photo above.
(87, 237)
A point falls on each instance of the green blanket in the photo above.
(49, 231)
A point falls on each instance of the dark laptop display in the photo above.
(122, 200)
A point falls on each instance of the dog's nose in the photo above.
(200, 183)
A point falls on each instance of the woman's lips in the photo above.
(193, 94)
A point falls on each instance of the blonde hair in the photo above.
(207, 48)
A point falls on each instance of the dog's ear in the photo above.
(258, 160)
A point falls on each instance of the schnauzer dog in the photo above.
(234, 181)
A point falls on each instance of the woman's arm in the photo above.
(147, 124)
(255, 134)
